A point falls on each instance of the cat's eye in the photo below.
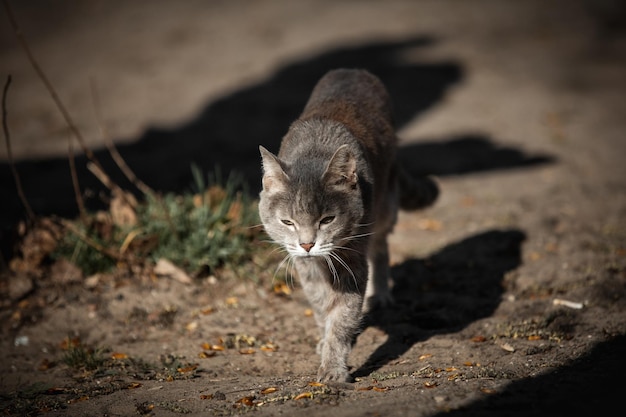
(287, 222)
(327, 220)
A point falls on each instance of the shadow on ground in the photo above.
(588, 386)
(226, 134)
(445, 292)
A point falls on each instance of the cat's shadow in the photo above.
(443, 293)
(227, 132)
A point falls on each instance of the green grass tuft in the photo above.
(213, 225)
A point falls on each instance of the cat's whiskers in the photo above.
(335, 247)
(291, 265)
(277, 249)
(331, 267)
(353, 237)
(288, 263)
(343, 263)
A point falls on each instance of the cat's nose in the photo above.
(307, 246)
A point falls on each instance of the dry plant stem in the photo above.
(121, 163)
(75, 183)
(7, 138)
(108, 252)
(55, 97)
(99, 173)
(47, 83)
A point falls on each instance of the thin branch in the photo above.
(7, 138)
(42, 76)
(121, 163)
(89, 241)
(76, 184)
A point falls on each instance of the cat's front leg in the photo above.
(342, 324)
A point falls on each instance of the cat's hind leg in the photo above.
(378, 294)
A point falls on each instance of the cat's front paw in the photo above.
(337, 374)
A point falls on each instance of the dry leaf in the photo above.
(118, 355)
(380, 389)
(424, 356)
(123, 208)
(534, 337)
(207, 354)
(77, 400)
(308, 312)
(269, 390)
(487, 390)
(234, 211)
(282, 288)
(304, 395)
(316, 384)
(68, 343)
(247, 401)
(430, 384)
(248, 351)
(206, 396)
(187, 369)
(507, 347)
(166, 268)
(468, 363)
(45, 365)
(269, 347)
(232, 301)
(133, 385)
(214, 196)
(478, 339)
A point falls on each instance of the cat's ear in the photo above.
(341, 169)
(274, 177)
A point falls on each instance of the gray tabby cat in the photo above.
(330, 199)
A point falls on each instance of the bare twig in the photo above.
(121, 163)
(89, 241)
(55, 97)
(75, 183)
(7, 138)
(99, 173)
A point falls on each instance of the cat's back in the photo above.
(357, 100)
(355, 91)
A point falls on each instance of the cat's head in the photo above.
(313, 206)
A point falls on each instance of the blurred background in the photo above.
(477, 85)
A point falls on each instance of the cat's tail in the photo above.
(415, 192)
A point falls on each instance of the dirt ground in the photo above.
(510, 291)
